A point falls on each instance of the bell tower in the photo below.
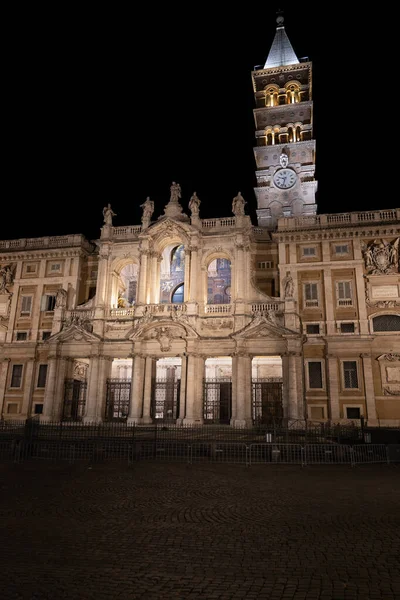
(285, 149)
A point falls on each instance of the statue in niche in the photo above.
(108, 214)
(61, 298)
(238, 205)
(6, 277)
(288, 286)
(194, 205)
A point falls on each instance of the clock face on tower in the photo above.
(285, 178)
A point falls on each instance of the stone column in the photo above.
(239, 272)
(28, 389)
(50, 390)
(235, 368)
(193, 275)
(285, 386)
(92, 392)
(58, 403)
(4, 365)
(105, 365)
(332, 377)
(243, 391)
(142, 284)
(182, 395)
(136, 402)
(101, 290)
(155, 290)
(194, 390)
(148, 379)
(369, 389)
(295, 387)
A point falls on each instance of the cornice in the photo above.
(40, 254)
(282, 69)
(284, 107)
(335, 232)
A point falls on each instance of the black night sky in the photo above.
(112, 106)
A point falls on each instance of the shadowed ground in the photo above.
(207, 531)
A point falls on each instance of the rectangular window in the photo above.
(26, 305)
(344, 293)
(12, 408)
(31, 268)
(347, 328)
(312, 328)
(41, 383)
(350, 374)
(315, 375)
(55, 267)
(48, 302)
(265, 264)
(311, 294)
(46, 335)
(16, 377)
(353, 412)
(38, 409)
(342, 249)
(309, 251)
(22, 336)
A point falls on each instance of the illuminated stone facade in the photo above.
(190, 320)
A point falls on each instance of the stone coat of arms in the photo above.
(381, 256)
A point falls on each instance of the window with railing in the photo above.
(344, 293)
(350, 375)
(311, 295)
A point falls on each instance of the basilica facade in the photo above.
(192, 321)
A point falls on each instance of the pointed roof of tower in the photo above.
(281, 52)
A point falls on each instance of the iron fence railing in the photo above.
(283, 442)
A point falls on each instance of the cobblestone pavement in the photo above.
(157, 531)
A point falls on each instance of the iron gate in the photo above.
(267, 400)
(165, 400)
(217, 405)
(74, 400)
(117, 399)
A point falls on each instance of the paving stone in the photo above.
(210, 532)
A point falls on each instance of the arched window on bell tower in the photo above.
(292, 93)
(271, 95)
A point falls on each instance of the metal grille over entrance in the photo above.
(117, 399)
(267, 400)
(74, 400)
(165, 400)
(217, 406)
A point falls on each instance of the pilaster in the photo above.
(28, 388)
(4, 366)
(149, 373)
(369, 389)
(243, 391)
(332, 376)
(136, 400)
(93, 380)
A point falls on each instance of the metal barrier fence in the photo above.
(181, 451)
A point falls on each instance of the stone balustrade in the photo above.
(58, 241)
(333, 220)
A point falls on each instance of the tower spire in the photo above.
(281, 52)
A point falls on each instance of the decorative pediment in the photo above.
(148, 331)
(391, 357)
(263, 326)
(74, 333)
(170, 227)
